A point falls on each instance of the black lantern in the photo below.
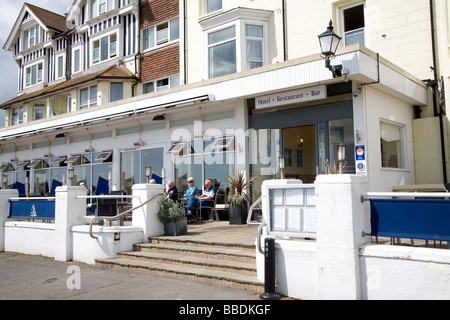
(329, 42)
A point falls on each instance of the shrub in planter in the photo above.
(171, 215)
(238, 197)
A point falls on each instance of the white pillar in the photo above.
(69, 211)
(5, 195)
(341, 219)
(147, 216)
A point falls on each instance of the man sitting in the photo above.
(207, 197)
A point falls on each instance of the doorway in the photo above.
(299, 150)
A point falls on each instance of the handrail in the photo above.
(261, 224)
(250, 211)
(366, 196)
(120, 214)
(108, 196)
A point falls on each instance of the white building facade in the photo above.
(212, 86)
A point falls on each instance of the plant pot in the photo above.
(237, 214)
(178, 228)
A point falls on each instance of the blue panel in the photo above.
(157, 178)
(33, 209)
(411, 218)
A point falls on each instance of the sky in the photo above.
(9, 12)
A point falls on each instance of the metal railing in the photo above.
(96, 218)
(261, 224)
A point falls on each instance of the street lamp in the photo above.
(329, 42)
(341, 150)
(148, 173)
(281, 164)
(70, 176)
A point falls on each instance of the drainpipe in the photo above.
(285, 51)
(185, 41)
(437, 109)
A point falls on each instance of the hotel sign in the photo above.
(292, 97)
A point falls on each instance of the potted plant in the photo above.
(238, 198)
(171, 215)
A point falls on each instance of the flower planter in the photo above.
(237, 214)
(178, 228)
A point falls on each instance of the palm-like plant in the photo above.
(239, 187)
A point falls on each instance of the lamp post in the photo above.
(148, 173)
(281, 164)
(5, 181)
(341, 150)
(329, 42)
(70, 176)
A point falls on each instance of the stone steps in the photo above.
(230, 264)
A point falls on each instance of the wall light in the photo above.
(329, 42)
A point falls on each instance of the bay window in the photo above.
(255, 45)
(222, 52)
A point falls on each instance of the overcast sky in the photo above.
(9, 12)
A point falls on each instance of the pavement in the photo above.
(27, 277)
(24, 277)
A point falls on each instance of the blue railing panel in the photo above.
(411, 218)
(32, 209)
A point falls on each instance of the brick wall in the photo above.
(156, 11)
(160, 64)
(163, 62)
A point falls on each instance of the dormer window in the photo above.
(30, 37)
(99, 7)
(34, 74)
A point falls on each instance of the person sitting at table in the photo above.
(207, 197)
(191, 193)
(172, 191)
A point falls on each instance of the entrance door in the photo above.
(299, 150)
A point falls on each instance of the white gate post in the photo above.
(69, 211)
(341, 219)
(147, 216)
(5, 195)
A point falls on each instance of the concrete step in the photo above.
(210, 252)
(189, 261)
(231, 265)
(193, 273)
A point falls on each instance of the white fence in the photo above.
(342, 263)
(68, 238)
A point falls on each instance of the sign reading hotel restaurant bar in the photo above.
(291, 97)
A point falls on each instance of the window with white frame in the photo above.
(88, 97)
(104, 48)
(392, 145)
(222, 52)
(116, 92)
(353, 23)
(17, 115)
(161, 84)
(99, 7)
(255, 45)
(30, 37)
(160, 34)
(39, 111)
(76, 60)
(34, 74)
(60, 67)
(213, 5)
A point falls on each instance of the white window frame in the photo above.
(39, 79)
(111, 54)
(166, 40)
(96, 5)
(157, 87)
(241, 43)
(17, 115)
(344, 38)
(403, 164)
(37, 107)
(74, 60)
(89, 98)
(205, 7)
(58, 71)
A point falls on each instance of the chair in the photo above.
(219, 204)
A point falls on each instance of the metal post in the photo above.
(269, 271)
